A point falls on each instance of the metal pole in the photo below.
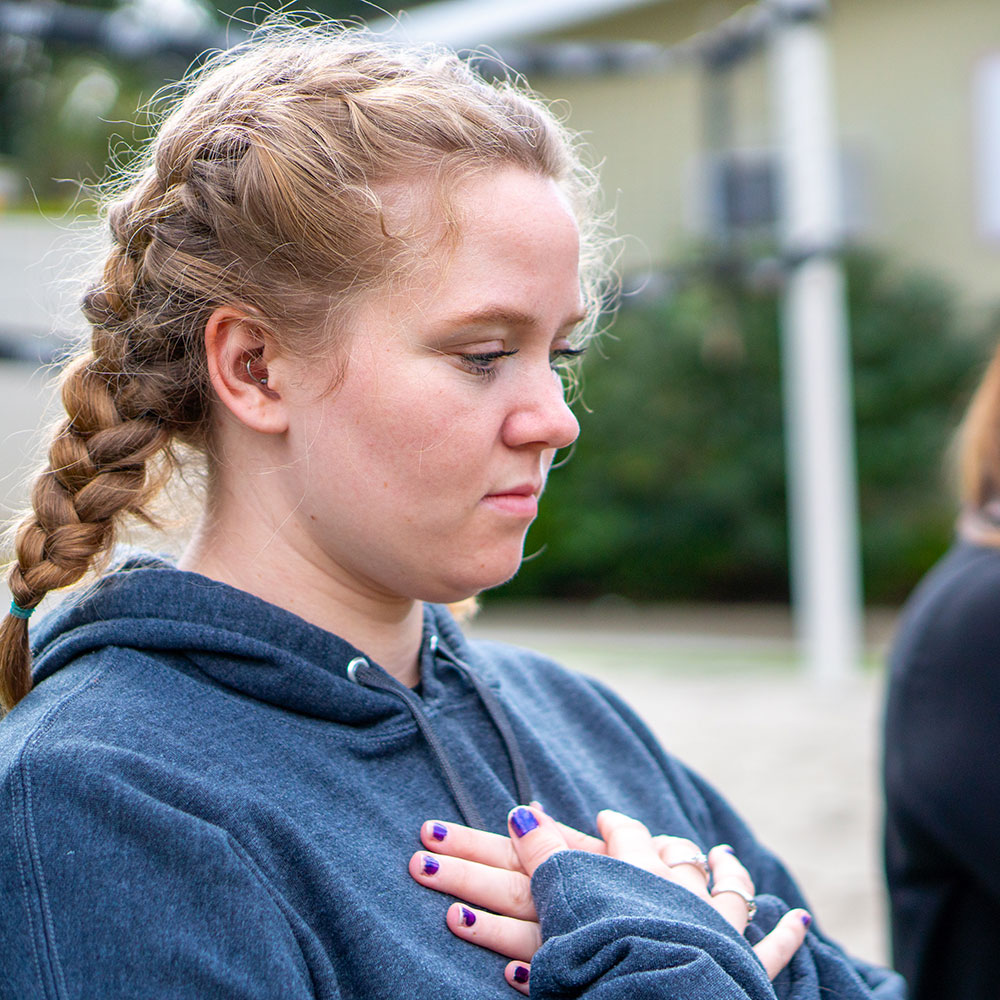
(825, 558)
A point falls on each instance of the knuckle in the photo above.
(740, 883)
(636, 826)
(511, 861)
(519, 890)
(540, 849)
(619, 821)
(679, 847)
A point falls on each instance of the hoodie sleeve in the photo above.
(590, 937)
(835, 969)
(614, 931)
(107, 893)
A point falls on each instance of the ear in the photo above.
(238, 357)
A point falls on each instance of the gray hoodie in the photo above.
(199, 799)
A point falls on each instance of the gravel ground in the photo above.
(720, 688)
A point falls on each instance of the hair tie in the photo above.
(18, 612)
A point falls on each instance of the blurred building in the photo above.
(688, 154)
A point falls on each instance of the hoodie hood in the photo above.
(238, 640)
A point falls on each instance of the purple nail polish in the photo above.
(522, 821)
(439, 831)
(468, 917)
(429, 865)
(806, 919)
(521, 974)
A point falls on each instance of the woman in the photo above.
(349, 276)
(941, 785)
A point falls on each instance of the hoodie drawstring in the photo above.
(360, 671)
(496, 712)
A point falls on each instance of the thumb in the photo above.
(535, 837)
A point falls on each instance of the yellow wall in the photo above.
(903, 74)
(904, 71)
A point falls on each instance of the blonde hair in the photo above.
(260, 188)
(979, 452)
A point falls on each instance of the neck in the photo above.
(261, 560)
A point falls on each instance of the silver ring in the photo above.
(699, 860)
(748, 899)
(259, 380)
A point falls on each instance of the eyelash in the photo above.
(484, 365)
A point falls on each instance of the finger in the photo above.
(518, 974)
(577, 841)
(507, 936)
(776, 950)
(732, 889)
(502, 891)
(459, 841)
(687, 862)
(491, 848)
(535, 837)
(629, 840)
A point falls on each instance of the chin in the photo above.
(466, 587)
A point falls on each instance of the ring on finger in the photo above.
(698, 860)
(718, 890)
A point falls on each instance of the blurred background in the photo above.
(666, 558)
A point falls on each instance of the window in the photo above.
(738, 194)
(987, 125)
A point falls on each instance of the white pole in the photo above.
(825, 559)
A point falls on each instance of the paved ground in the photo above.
(718, 686)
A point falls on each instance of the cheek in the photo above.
(424, 440)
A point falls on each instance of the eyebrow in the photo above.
(503, 316)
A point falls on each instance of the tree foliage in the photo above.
(676, 488)
(64, 102)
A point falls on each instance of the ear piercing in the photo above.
(255, 378)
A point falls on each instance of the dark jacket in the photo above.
(942, 780)
(198, 801)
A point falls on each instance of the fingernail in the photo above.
(522, 821)
(806, 919)
(728, 849)
(429, 865)
(521, 974)
(468, 918)
(439, 831)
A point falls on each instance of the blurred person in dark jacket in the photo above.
(942, 730)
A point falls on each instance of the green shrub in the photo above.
(676, 488)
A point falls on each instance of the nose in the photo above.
(539, 415)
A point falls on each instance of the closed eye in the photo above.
(484, 364)
(565, 354)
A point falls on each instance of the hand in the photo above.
(491, 871)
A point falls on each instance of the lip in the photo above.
(520, 500)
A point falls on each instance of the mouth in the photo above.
(518, 501)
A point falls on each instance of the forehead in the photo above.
(508, 230)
